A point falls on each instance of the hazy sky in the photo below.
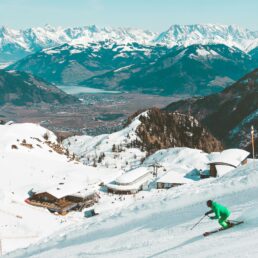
(155, 15)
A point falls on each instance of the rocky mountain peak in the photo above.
(161, 130)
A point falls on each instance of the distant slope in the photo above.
(230, 35)
(254, 53)
(19, 88)
(145, 133)
(229, 114)
(192, 70)
(71, 64)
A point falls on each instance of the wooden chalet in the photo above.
(64, 204)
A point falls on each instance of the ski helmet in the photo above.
(209, 203)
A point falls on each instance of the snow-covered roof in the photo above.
(62, 192)
(232, 157)
(133, 175)
(76, 183)
(174, 177)
(130, 187)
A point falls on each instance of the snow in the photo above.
(232, 157)
(186, 35)
(159, 224)
(179, 56)
(37, 168)
(122, 68)
(221, 81)
(132, 176)
(150, 223)
(223, 169)
(90, 150)
(33, 39)
(174, 177)
(75, 51)
(133, 181)
(204, 53)
(184, 158)
(51, 51)
(4, 65)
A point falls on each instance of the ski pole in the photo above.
(198, 222)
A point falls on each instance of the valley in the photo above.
(98, 113)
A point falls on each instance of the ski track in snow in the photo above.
(159, 225)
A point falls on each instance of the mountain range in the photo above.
(229, 114)
(74, 63)
(192, 70)
(15, 44)
(133, 67)
(20, 88)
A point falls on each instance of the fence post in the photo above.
(252, 139)
(1, 250)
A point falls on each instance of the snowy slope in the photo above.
(127, 225)
(117, 154)
(184, 158)
(28, 162)
(159, 225)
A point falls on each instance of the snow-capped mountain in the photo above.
(192, 70)
(229, 35)
(15, 44)
(73, 63)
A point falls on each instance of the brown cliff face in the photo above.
(162, 129)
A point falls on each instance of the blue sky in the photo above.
(155, 15)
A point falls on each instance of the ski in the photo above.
(232, 224)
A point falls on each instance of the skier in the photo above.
(221, 213)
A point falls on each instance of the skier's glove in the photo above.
(212, 217)
(208, 212)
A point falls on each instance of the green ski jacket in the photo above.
(219, 210)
